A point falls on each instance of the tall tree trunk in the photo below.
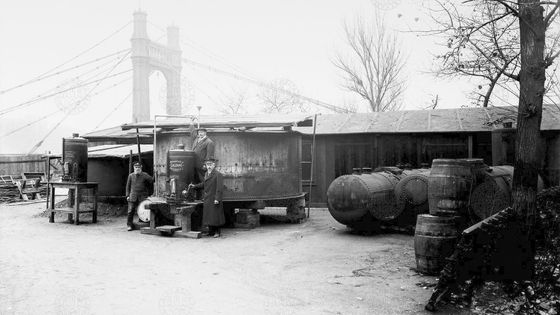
(528, 142)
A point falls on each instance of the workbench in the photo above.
(181, 211)
(73, 210)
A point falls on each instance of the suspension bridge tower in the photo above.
(148, 56)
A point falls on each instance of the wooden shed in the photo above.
(415, 138)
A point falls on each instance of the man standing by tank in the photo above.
(203, 147)
(213, 210)
(138, 187)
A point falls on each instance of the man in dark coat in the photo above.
(138, 187)
(203, 147)
(213, 210)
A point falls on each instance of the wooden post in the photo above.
(138, 144)
(130, 163)
(470, 146)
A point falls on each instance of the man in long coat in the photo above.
(213, 210)
(203, 147)
(138, 186)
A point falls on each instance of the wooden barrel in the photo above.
(434, 240)
(449, 186)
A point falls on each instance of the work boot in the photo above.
(129, 228)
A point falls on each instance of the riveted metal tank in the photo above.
(493, 193)
(257, 166)
(359, 201)
(411, 193)
(74, 158)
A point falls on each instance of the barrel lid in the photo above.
(450, 161)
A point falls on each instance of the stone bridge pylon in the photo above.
(148, 56)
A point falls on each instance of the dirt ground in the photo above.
(316, 267)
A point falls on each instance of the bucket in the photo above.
(434, 240)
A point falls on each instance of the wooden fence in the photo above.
(15, 164)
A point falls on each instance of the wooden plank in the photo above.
(168, 228)
(70, 210)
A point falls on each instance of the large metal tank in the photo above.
(74, 158)
(493, 194)
(361, 201)
(259, 167)
(180, 169)
(411, 193)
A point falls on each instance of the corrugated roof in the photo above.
(226, 121)
(121, 151)
(471, 119)
(116, 132)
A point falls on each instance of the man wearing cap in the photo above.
(213, 210)
(203, 147)
(138, 188)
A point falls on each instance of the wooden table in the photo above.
(74, 205)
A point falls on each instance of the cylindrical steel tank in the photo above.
(411, 193)
(450, 183)
(74, 158)
(180, 169)
(355, 199)
(493, 194)
(434, 240)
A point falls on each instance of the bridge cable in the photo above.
(266, 85)
(81, 54)
(59, 110)
(62, 71)
(36, 146)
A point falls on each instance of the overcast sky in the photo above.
(266, 40)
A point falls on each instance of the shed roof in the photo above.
(120, 151)
(226, 121)
(471, 119)
(117, 132)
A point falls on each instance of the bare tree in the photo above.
(482, 39)
(373, 68)
(509, 40)
(281, 96)
(233, 103)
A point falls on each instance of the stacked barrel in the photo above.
(450, 186)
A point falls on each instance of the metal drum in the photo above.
(74, 158)
(180, 169)
(361, 201)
